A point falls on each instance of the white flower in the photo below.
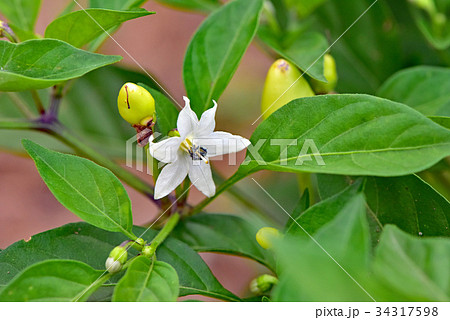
(189, 153)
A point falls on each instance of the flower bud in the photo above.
(117, 258)
(148, 251)
(7, 32)
(265, 237)
(330, 73)
(284, 83)
(263, 284)
(136, 105)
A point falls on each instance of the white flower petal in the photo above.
(187, 120)
(207, 122)
(171, 176)
(219, 143)
(200, 175)
(166, 150)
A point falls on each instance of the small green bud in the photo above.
(284, 83)
(265, 237)
(148, 251)
(330, 73)
(117, 258)
(140, 241)
(263, 284)
(136, 105)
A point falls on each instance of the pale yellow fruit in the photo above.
(284, 83)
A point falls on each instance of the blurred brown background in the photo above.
(158, 43)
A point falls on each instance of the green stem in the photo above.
(82, 149)
(23, 108)
(38, 102)
(93, 287)
(224, 186)
(305, 182)
(242, 198)
(61, 133)
(163, 234)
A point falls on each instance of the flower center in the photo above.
(196, 152)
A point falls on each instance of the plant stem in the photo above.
(224, 186)
(23, 108)
(38, 102)
(240, 196)
(63, 134)
(93, 287)
(60, 132)
(164, 233)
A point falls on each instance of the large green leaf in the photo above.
(223, 233)
(323, 212)
(21, 13)
(197, 5)
(81, 27)
(147, 281)
(216, 50)
(332, 267)
(305, 49)
(354, 135)
(414, 269)
(91, 192)
(88, 244)
(408, 202)
(424, 88)
(38, 64)
(52, 280)
(116, 4)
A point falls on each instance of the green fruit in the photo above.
(265, 237)
(330, 73)
(136, 105)
(284, 83)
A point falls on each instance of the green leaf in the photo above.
(147, 281)
(88, 190)
(81, 27)
(92, 97)
(442, 121)
(52, 280)
(88, 244)
(323, 212)
(216, 50)
(166, 112)
(21, 13)
(38, 64)
(308, 273)
(305, 49)
(197, 5)
(424, 88)
(414, 269)
(353, 134)
(223, 233)
(116, 4)
(302, 205)
(408, 202)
